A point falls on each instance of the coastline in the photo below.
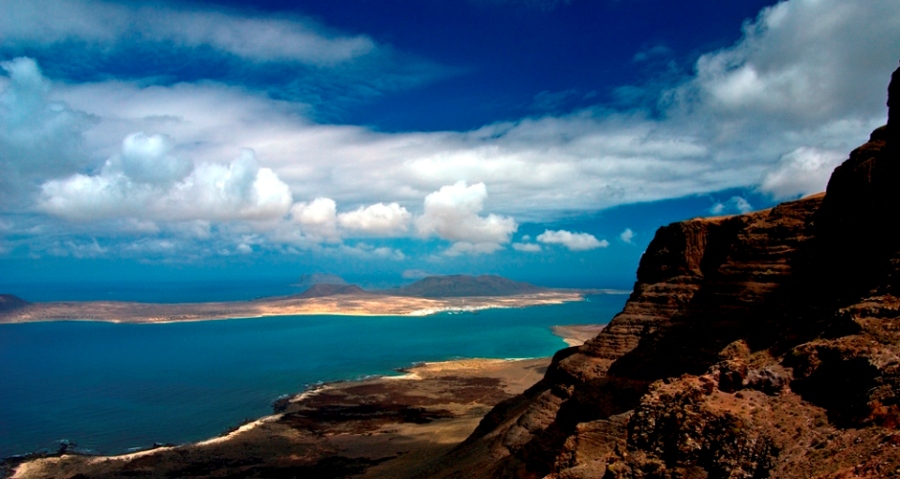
(338, 305)
(377, 426)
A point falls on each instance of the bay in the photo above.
(112, 387)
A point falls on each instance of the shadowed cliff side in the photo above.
(759, 345)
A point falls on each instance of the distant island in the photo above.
(460, 286)
(326, 294)
(312, 279)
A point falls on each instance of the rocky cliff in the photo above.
(760, 345)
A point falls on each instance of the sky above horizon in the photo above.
(543, 140)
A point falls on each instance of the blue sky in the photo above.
(383, 141)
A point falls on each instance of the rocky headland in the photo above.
(759, 345)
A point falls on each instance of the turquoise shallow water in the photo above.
(111, 387)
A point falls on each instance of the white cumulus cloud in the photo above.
(39, 136)
(572, 241)
(735, 204)
(627, 235)
(452, 213)
(78, 249)
(717, 129)
(804, 63)
(147, 159)
(467, 248)
(527, 247)
(240, 190)
(803, 85)
(367, 251)
(317, 218)
(801, 172)
(378, 219)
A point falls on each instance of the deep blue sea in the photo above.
(112, 387)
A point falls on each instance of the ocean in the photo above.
(109, 388)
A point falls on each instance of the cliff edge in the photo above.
(759, 345)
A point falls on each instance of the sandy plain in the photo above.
(352, 304)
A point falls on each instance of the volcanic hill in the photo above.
(312, 279)
(759, 345)
(321, 290)
(459, 285)
(9, 302)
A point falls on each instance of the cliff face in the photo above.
(760, 345)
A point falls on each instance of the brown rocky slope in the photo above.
(760, 345)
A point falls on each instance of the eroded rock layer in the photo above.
(759, 345)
